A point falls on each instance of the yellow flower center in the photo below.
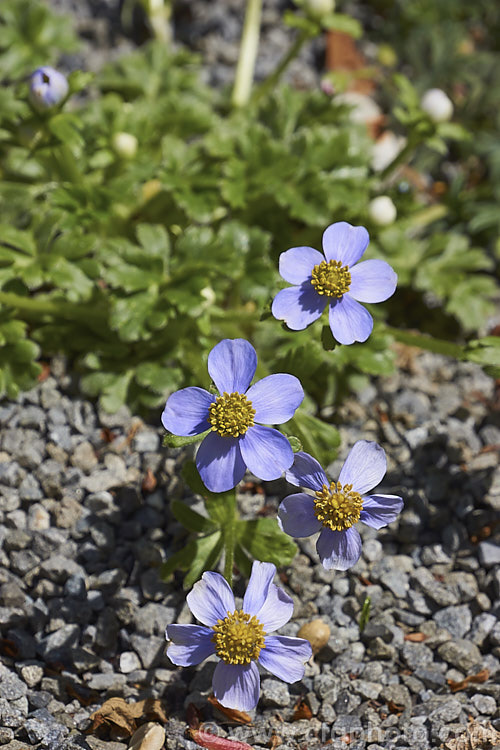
(238, 638)
(338, 507)
(332, 278)
(231, 414)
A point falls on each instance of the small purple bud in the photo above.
(48, 88)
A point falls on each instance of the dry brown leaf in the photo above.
(8, 648)
(83, 695)
(415, 637)
(231, 714)
(343, 54)
(302, 711)
(107, 435)
(477, 737)
(275, 741)
(394, 708)
(481, 676)
(123, 717)
(212, 742)
(44, 372)
(193, 716)
(149, 481)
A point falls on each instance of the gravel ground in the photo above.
(85, 524)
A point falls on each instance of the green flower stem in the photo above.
(401, 158)
(158, 13)
(248, 54)
(270, 82)
(430, 344)
(229, 534)
(66, 165)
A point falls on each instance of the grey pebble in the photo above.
(485, 704)
(129, 661)
(489, 553)
(461, 654)
(456, 620)
(274, 693)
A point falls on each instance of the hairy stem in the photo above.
(429, 343)
(248, 54)
(271, 81)
(229, 533)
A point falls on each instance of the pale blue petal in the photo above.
(296, 516)
(275, 398)
(266, 452)
(285, 657)
(186, 411)
(349, 321)
(343, 242)
(232, 364)
(211, 599)
(237, 685)
(258, 586)
(297, 264)
(380, 510)
(219, 462)
(306, 472)
(298, 306)
(190, 645)
(364, 467)
(372, 281)
(276, 610)
(339, 550)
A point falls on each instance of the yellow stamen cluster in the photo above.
(332, 278)
(338, 507)
(231, 414)
(238, 638)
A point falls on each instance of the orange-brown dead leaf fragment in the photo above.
(481, 676)
(231, 714)
(123, 717)
(415, 637)
(302, 710)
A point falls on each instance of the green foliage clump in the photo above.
(136, 264)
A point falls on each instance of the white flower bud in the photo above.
(124, 145)
(318, 9)
(437, 105)
(382, 211)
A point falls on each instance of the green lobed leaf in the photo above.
(208, 550)
(189, 518)
(344, 23)
(220, 505)
(318, 438)
(263, 539)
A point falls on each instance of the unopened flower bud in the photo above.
(124, 145)
(48, 88)
(382, 211)
(318, 9)
(437, 105)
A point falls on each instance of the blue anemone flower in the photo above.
(333, 279)
(235, 441)
(48, 88)
(240, 638)
(336, 506)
